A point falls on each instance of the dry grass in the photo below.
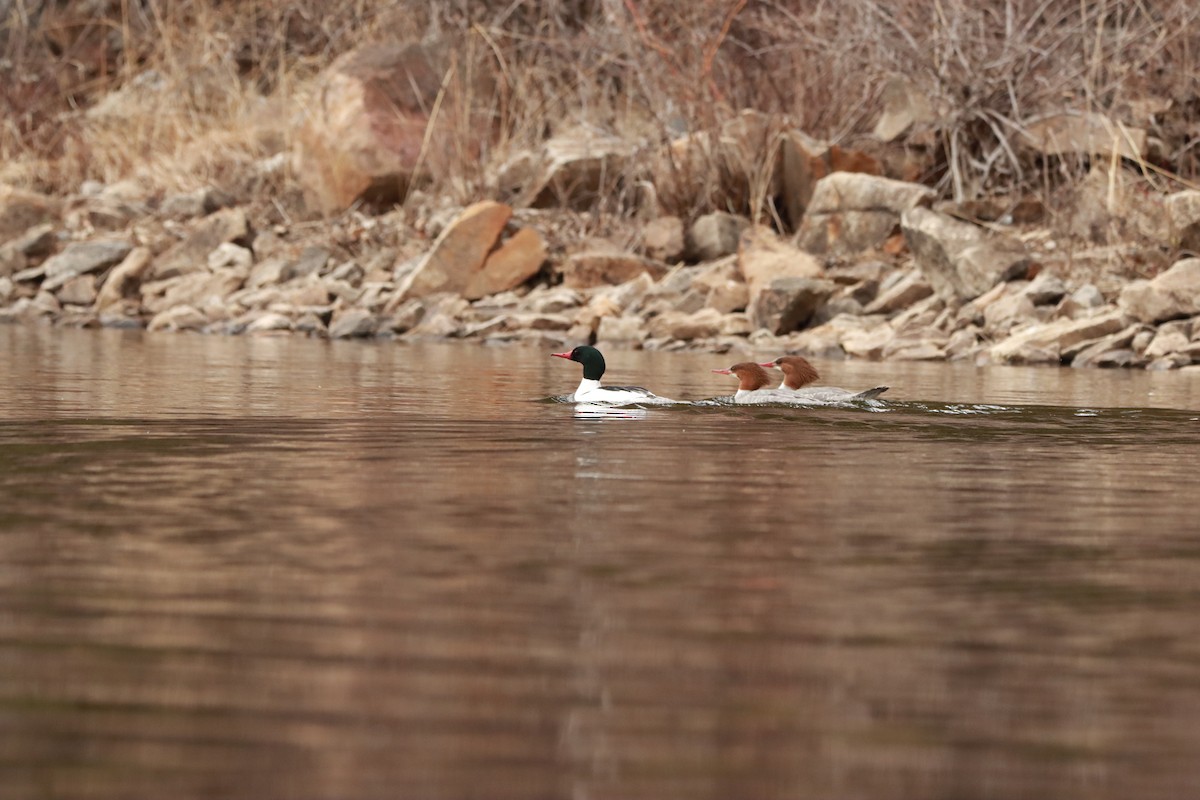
(182, 93)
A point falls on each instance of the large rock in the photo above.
(901, 294)
(591, 269)
(786, 304)
(804, 161)
(457, 254)
(1183, 211)
(715, 235)
(1045, 342)
(1173, 294)
(959, 259)
(369, 131)
(763, 257)
(702, 324)
(1083, 134)
(191, 254)
(574, 168)
(515, 261)
(81, 258)
(851, 212)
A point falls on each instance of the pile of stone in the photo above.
(860, 262)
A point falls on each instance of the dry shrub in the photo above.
(179, 92)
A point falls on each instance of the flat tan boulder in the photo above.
(1173, 294)
(1082, 134)
(515, 261)
(1044, 343)
(458, 253)
(590, 269)
(852, 212)
(763, 257)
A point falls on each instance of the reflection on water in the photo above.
(280, 568)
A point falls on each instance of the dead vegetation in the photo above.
(177, 94)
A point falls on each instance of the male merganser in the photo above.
(798, 373)
(590, 391)
(752, 386)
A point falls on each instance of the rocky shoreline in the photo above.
(897, 279)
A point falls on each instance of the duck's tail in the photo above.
(871, 394)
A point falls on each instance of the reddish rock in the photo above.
(515, 261)
(457, 254)
(369, 131)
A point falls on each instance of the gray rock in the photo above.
(851, 212)
(353, 323)
(715, 235)
(312, 261)
(191, 254)
(270, 322)
(229, 254)
(198, 203)
(79, 291)
(910, 288)
(178, 318)
(81, 258)
(786, 304)
(1045, 289)
(958, 259)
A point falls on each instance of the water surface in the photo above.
(274, 567)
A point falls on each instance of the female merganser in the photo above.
(798, 373)
(590, 391)
(752, 386)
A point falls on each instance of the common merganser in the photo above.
(798, 373)
(590, 390)
(752, 386)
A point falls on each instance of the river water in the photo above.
(283, 568)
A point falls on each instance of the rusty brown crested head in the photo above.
(750, 375)
(797, 371)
